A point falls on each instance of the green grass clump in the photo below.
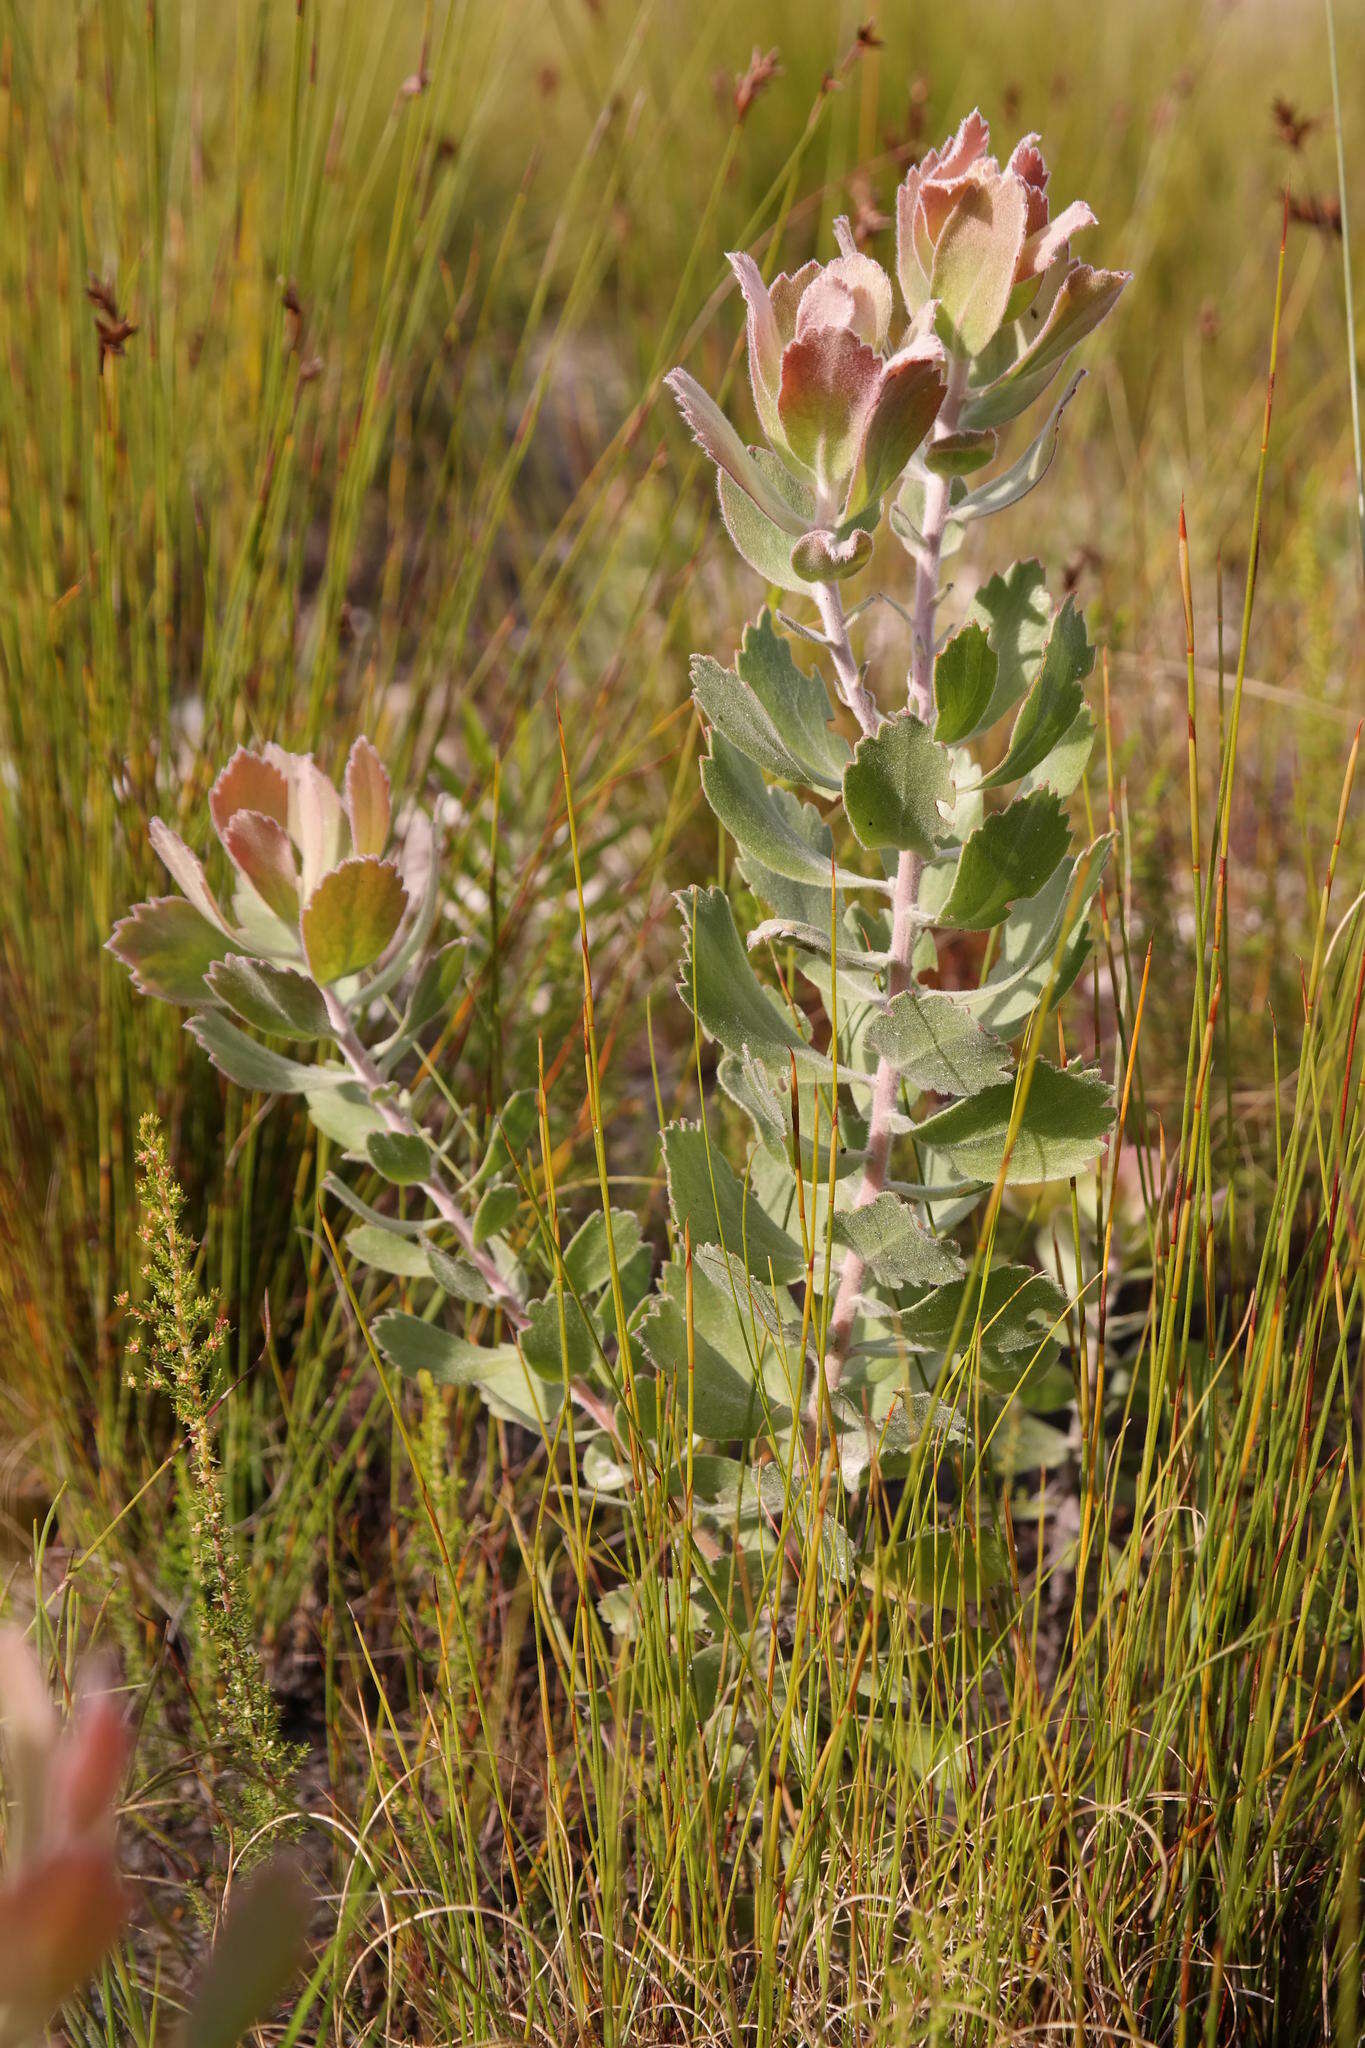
(380, 451)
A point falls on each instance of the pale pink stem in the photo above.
(920, 697)
(434, 1188)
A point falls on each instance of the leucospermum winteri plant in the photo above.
(325, 924)
(881, 1132)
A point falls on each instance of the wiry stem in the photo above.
(920, 695)
(434, 1188)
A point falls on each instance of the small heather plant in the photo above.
(818, 1320)
(176, 1350)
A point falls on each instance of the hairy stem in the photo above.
(920, 696)
(852, 688)
(434, 1188)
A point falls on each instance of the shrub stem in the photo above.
(920, 696)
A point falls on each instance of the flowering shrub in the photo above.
(827, 1279)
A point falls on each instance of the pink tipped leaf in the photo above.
(714, 434)
(250, 782)
(975, 260)
(829, 382)
(368, 801)
(168, 948)
(905, 408)
(260, 850)
(186, 869)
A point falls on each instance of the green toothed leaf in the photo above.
(770, 825)
(1017, 613)
(168, 948)
(936, 1044)
(1010, 855)
(708, 1200)
(351, 917)
(964, 683)
(1066, 1117)
(895, 1247)
(402, 1157)
(1054, 699)
(720, 987)
(587, 1258)
(894, 785)
(271, 999)
(739, 1382)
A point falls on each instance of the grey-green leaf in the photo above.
(894, 785)
(387, 1252)
(1066, 1117)
(587, 1258)
(254, 1066)
(403, 1157)
(1022, 476)
(726, 996)
(738, 1376)
(772, 710)
(708, 1200)
(272, 999)
(762, 543)
(771, 825)
(936, 1044)
(1010, 855)
(552, 1351)
(896, 1249)
(510, 1388)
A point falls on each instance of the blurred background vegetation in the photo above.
(331, 340)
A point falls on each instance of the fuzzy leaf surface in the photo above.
(894, 785)
(168, 948)
(936, 1044)
(1010, 855)
(896, 1249)
(721, 989)
(708, 1199)
(1066, 1117)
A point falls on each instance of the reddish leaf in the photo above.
(829, 380)
(975, 257)
(906, 406)
(58, 1916)
(368, 803)
(249, 783)
(259, 848)
(351, 916)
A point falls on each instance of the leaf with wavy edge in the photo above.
(351, 917)
(1067, 1115)
(168, 948)
(721, 989)
(707, 1199)
(1009, 856)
